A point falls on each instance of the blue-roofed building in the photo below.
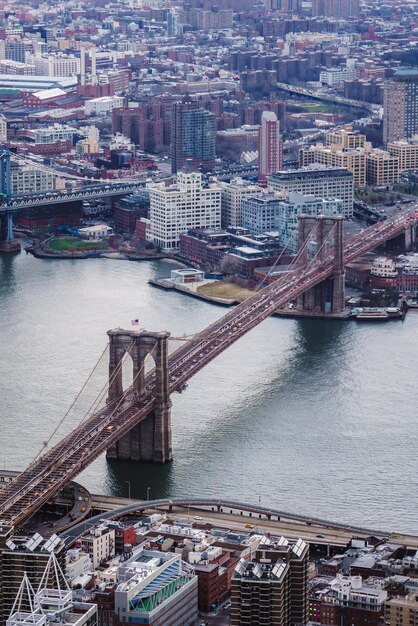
(156, 588)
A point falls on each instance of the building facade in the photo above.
(270, 154)
(180, 207)
(272, 589)
(400, 117)
(317, 182)
(233, 195)
(192, 135)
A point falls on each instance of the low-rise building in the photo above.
(103, 105)
(156, 586)
(99, 543)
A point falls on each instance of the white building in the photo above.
(3, 129)
(55, 65)
(51, 134)
(180, 207)
(232, 196)
(337, 75)
(103, 105)
(29, 179)
(99, 544)
(77, 563)
(95, 232)
(384, 267)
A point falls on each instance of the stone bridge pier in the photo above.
(150, 440)
(328, 296)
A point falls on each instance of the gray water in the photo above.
(308, 416)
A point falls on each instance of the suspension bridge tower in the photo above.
(325, 234)
(150, 440)
(7, 241)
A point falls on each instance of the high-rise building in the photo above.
(192, 135)
(269, 145)
(272, 589)
(178, 208)
(233, 195)
(400, 118)
(175, 22)
(320, 182)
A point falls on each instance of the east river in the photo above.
(307, 416)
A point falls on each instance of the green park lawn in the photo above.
(225, 289)
(65, 244)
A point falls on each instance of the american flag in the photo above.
(134, 322)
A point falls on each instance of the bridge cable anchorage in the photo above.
(45, 443)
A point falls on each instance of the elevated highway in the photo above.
(51, 472)
(331, 98)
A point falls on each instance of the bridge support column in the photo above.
(7, 241)
(338, 291)
(410, 238)
(150, 440)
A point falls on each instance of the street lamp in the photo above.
(128, 482)
(148, 490)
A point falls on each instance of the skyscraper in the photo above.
(192, 135)
(269, 145)
(400, 119)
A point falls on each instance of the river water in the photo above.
(308, 416)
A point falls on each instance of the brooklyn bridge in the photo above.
(135, 423)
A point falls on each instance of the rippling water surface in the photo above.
(309, 416)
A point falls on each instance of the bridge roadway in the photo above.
(89, 192)
(308, 93)
(51, 472)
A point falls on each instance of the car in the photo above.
(249, 525)
(79, 498)
(321, 536)
(86, 499)
(197, 517)
(226, 606)
(83, 508)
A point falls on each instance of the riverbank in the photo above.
(41, 251)
(169, 285)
